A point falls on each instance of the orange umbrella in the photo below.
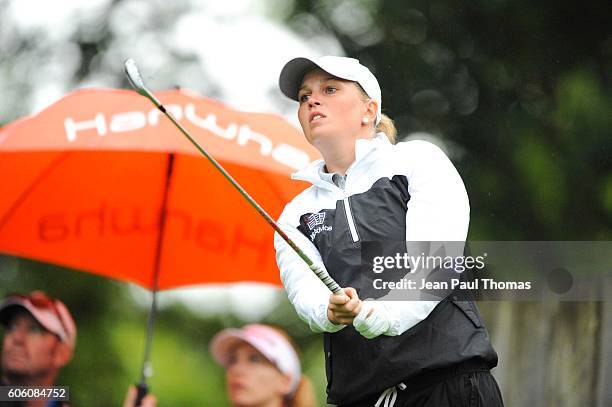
(101, 182)
(84, 183)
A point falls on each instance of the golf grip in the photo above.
(142, 390)
(322, 274)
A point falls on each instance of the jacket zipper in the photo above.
(351, 221)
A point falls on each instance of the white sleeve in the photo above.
(308, 295)
(438, 210)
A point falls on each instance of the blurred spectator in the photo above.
(262, 367)
(39, 340)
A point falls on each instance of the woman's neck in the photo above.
(339, 153)
(339, 163)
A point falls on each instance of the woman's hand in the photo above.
(130, 399)
(343, 308)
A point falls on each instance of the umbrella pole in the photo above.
(147, 368)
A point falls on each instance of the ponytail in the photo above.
(387, 126)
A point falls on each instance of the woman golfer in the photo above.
(367, 188)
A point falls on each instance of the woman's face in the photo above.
(252, 380)
(330, 108)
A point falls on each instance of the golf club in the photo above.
(136, 81)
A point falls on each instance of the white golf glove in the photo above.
(373, 325)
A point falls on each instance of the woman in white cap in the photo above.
(368, 188)
(262, 368)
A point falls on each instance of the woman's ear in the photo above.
(285, 384)
(370, 111)
(62, 355)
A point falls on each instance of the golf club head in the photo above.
(135, 79)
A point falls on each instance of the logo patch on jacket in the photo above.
(316, 224)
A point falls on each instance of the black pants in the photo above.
(471, 389)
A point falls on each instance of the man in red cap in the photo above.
(39, 339)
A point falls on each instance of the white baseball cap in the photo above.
(349, 69)
(266, 340)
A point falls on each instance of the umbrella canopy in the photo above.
(85, 183)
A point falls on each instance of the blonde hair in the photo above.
(385, 125)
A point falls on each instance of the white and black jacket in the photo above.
(408, 191)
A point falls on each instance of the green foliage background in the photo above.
(111, 335)
(518, 90)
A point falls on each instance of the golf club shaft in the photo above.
(320, 273)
